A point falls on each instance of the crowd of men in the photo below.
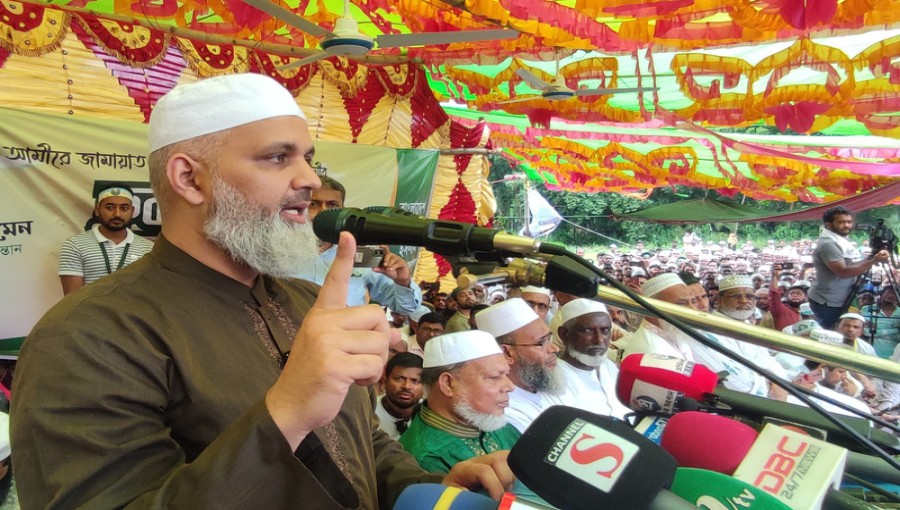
(237, 363)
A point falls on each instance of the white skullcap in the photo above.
(4, 436)
(801, 328)
(805, 309)
(505, 317)
(420, 311)
(535, 290)
(581, 306)
(734, 282)
(216, 104)
(459, 347)
(826, 336)
(659, 283)
(855, 316)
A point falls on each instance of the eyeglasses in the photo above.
(542, 343)
(431, 331)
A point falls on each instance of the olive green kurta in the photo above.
(147, 388)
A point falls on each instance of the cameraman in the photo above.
(837, 264)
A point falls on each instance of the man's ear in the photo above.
(507, 353)
(188, 178)
(445, 384)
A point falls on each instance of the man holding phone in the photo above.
(378, 272)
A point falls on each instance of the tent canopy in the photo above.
(725, 80)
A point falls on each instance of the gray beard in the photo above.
(484, 422)
(740, 315)
(591, 360)
(542, 378)
(258, 238)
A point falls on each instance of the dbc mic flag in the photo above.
(795, 468)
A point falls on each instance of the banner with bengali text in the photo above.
(51, 168)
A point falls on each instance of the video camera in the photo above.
(881, 237)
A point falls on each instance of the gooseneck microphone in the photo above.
(386, 225)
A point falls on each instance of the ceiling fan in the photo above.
(557, 90)
(347, 40)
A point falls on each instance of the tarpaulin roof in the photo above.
(817, 66)
(708, 210)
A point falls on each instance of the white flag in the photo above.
(544, 218)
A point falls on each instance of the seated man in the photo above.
(402, 393)
(468, 387)
(591, 377)
(525, 340)
(538, 298)
(655, 335)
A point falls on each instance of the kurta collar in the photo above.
(178, 261)
(453, 428)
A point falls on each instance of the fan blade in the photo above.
(600, 92)
(532, 80)
(279, 12)
(304, 61)
(518, 100)
(432, 38)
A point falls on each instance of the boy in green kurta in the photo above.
(468, 389)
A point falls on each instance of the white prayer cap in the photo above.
(734, 282)
(659, 283)
(855, 316)
(805, 309)
(826, 336)
(420, 311)
(216, 104)
(801, 328)
(581, 306)
(535, 290)
(505, 317)
(459, 347)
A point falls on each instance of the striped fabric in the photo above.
(81, 255)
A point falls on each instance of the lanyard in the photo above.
(106, 257)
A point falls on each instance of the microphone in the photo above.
(655, 382)
(712, 490)
(707, 441)
(800, 470)
(579, 460)
(386, 225)
(434, 496)
(725, 442)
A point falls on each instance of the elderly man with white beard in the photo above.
(589, 375)
(525, 340)
(467, 390)
(737, 300)
(660, 337)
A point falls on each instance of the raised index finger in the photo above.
(333, 295)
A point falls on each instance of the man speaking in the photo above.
(837, 264)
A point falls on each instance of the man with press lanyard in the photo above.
(107, 247)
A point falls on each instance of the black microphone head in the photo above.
(579, 460)
(329, 224)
